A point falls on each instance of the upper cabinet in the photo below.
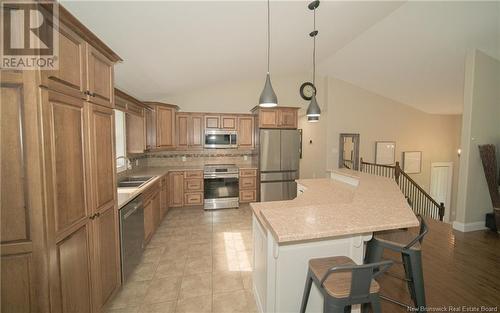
(189, 131)
(100, 78)
(160, 125)
(277, 117)
(135, 121)
(222, 121)
(228, 121)
(212, 121)
(246, 132)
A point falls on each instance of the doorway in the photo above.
(441, 184)
(349, 151)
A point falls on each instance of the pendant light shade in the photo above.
(313, 110)
(268, 97)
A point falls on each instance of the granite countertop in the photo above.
(351, 203)
(125, 195)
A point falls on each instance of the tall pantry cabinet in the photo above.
(64, 252)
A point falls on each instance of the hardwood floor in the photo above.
(460, 269)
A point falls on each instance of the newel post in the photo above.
(360, 164)
(397, 172)
(441, 211)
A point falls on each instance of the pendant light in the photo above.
(268, 97)
(313, 111)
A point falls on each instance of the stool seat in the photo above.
(397, 237)
(337, 285)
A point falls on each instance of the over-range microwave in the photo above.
(221, 139)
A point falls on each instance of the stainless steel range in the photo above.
(221, 186)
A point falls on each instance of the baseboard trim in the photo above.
(467, 227)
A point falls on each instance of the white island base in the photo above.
(280, 270)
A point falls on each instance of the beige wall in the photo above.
(481, 125)
(352, 109)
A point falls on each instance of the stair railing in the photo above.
(420, 201)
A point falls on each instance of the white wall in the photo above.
(352, 109)
(481, 125)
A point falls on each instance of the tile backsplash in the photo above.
(195, 158)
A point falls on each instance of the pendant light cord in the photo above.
(314, 49)
(268, 34)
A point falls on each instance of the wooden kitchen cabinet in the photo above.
(59, 249)
(135, 121)
(160, 124)
(182, 131)
(248, 185)
(164, 196)
(196, 131)
(277, 117)
(287, 118)
(71, 77)
(246, 132)
(148, 220)
(176, 186)
(100, 78)
(228, 122)
(189, 131)
(212, 121)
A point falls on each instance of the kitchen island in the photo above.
(330, 217)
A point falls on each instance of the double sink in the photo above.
(134, 181)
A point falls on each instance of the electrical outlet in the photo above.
(136, 162)
(245, 157)
(184, 159)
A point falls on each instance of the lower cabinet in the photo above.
(164, 196)
(248, 185)
(176, 187)
(152, 210)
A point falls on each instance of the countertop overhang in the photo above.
(349, 203)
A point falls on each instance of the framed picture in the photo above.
(385, 152)
(412, 162)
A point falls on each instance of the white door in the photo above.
(441, 182)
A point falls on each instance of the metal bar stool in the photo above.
(410, 247)
(343, 283)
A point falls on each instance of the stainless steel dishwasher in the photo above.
(131, 235)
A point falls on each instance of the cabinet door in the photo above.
(102, 156)
(156, 209)
(148, 220)
(176, 184)
(136, 133)
(196, 136)
(106, 268)
(268, 118)
(246, 132)
(212, 121)
(71, 77)
(287, 118)
(100, 78)
(73, 269)
(164, 196)
(150, 115)
(181, 130)
(17, 260)
(165, 121)
(228, 121)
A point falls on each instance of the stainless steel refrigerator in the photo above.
(279, 164)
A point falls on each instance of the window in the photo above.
(121, 147)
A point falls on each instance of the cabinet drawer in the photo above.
(194, 198)
(193, 184)
(248, 196)
(248, 173)
(248, 182)
(193, 174)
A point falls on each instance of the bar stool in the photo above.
(343, 283)
(410, 247)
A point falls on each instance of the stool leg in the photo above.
(417, 278)
(374, 252)
(375, 302)
(307, 291)
(408, 276)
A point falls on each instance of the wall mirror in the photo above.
(349, 151)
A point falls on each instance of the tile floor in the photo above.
(197, 261)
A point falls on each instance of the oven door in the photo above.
(221, 192)
(220, 140)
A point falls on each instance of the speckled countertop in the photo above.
(352, 203)
(125, 195)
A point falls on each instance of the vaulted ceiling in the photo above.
(412, 52)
